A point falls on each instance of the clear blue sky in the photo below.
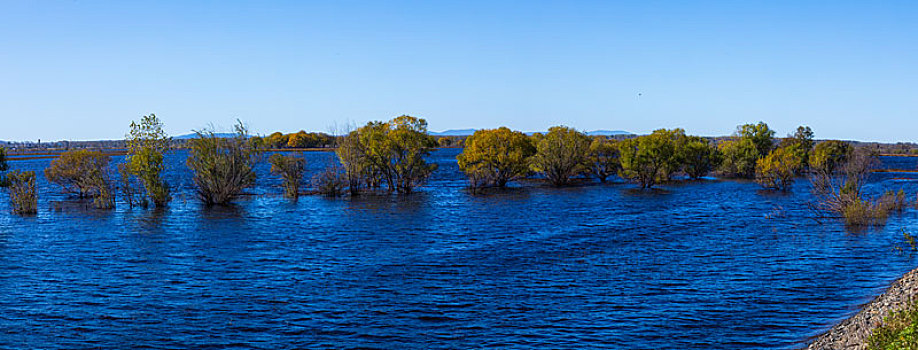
(84, 69)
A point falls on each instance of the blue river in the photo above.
(712, 264)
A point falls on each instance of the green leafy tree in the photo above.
(147, 144)
(395, 152)
(829, 155)
(739, 158)
(698, 157)
(290, 168)
(760, 135)
(222, 167)
(651, 159)
(778, 169)
(23, 197)
(493, 157)
(803, 139)
(604, 158)
(561, 154)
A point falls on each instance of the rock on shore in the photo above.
(852, 334)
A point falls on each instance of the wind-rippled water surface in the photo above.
(696, 265)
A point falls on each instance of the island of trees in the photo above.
(390, 157)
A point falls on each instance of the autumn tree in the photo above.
(493, 157)
(81, 172)
(698, 156)
(222, 167)
(651, 159)
(23, 197)
(276, 140)
(395, 152)
(290, 168)
(561, 154)
(353, 161)
(147, 144)
(778, 169)
(604, 158)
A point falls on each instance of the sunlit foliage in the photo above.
(394, 152)
(147, 144)
(290, 168)
(802, 138)
(760, 135)
(604, 158)
(81, 172)
(739, 158)
(23, 198)
(222, 167)
(493, 157)
(561, 154)
(828, 156)
(698, 157)
(651, 159)
(778, 169)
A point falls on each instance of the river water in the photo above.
(713, 264)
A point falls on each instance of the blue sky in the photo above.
(84, 69)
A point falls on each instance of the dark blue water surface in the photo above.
(697, 265)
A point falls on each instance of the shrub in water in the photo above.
(330, 182)
(147, 143)
(84, 173)
(23, 198)
(223, 167)
(290, 169)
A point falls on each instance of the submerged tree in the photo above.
(23, 198)
(223, 167)
(651, 159)
(840, 191)
(131, 191)
(394, 152)
(604, 158)
(290, 168)
(778, 169)
(803, 139)
(354, 161)
(561, 154)
(3, 167)
(760, 135)
(739, 158)
(81, 172)
(493, 157)
(147, 144)
(829, 155)
(698, 157)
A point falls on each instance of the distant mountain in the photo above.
(193, 135)
(453, 132)
(608, 133)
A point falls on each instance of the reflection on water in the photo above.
(695, 265)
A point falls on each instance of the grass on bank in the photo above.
(898, 332)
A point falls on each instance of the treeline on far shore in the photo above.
(390, 157)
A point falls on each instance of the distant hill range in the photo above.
(467, 132)
(193, 135)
